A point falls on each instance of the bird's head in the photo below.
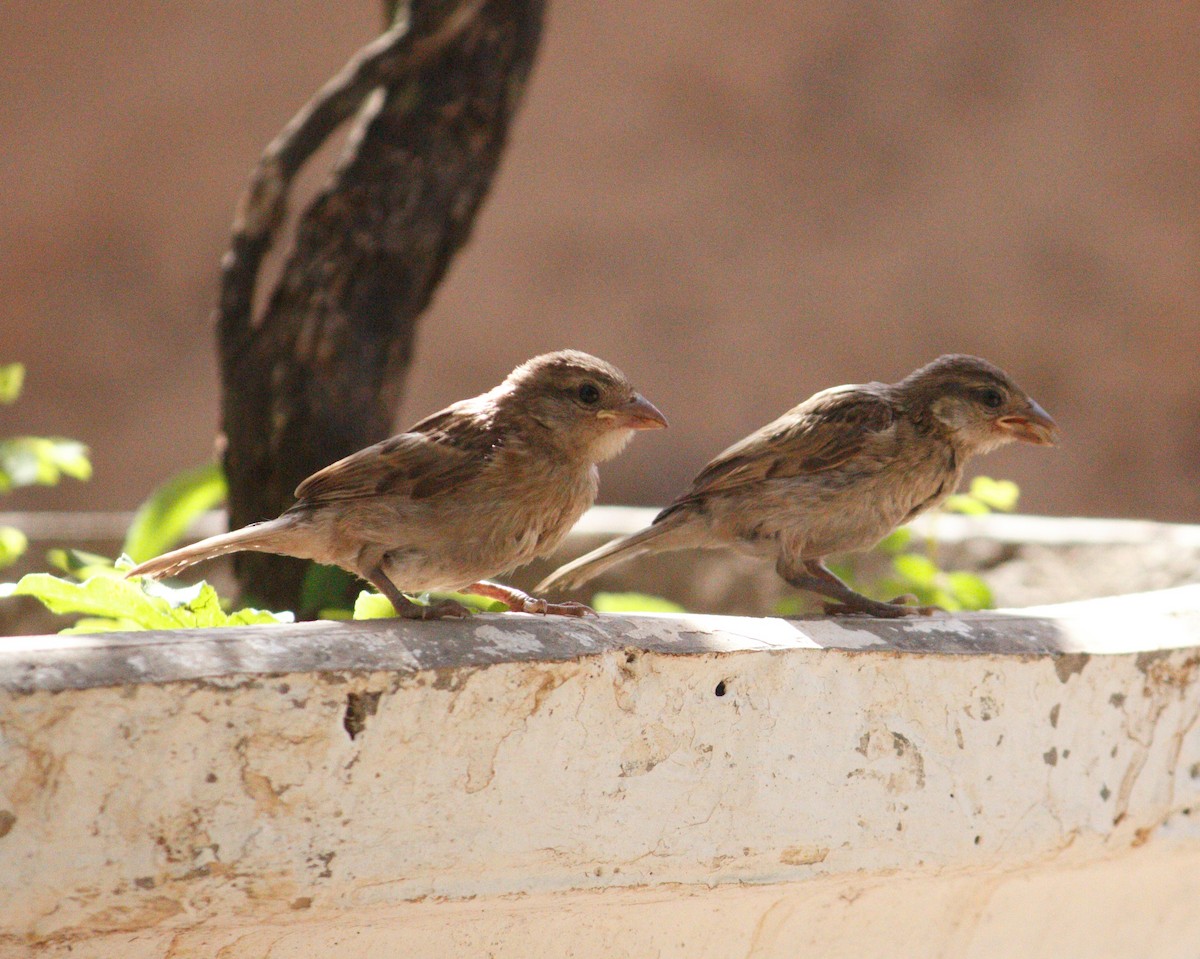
(977, 403)
(580, 403)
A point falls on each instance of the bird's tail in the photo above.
(658, 538)
(270, 537)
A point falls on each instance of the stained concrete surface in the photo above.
(702, 786)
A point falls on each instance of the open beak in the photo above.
(1034, 425)
(638, 414)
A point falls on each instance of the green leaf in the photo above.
(326, 587)
(30, 460)
(970, 591)
(790, 606)
(1000, 495)
(99, 596)
(896, 541)
(917, 570)
(633, 603)
(373, 606)
(12, 544)
(965, 504)
(100, 624)
(12, 378)
(110, 601)
(168, 513)
(336, 613)
(80, 564)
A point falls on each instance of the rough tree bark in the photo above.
(321, 373)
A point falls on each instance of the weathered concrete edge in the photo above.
(1141, 624)
(83, 527)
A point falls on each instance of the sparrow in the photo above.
(836, 474)
(486, 484)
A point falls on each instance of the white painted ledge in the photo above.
(1018, 783)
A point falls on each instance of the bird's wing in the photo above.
(820, 434)
(437, 455)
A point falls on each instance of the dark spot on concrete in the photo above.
(144, 882)
(720, 690)
(1113, 752)
(1194, 772)
(326, 858)
(1051, 756)
(200, 872)
(1054, 715)
(1147, 659)
(358, 707)
(1066, 753)
(1068, 664)
(210, 778)
(302, 902)
(1105, 792)
(284, 688)
(7, 821)
(863, 741)
(1117, 700)
(978, 840)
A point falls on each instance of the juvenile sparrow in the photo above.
(838, 473)
(487, 484)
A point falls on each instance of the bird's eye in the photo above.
(589, 394)
(991, 398)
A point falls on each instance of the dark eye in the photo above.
(589, 394)
(991, 398)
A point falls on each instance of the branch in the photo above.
(263, 206)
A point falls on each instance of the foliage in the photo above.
(32, 460)
(371, 605)
(97, 589)
(915, 569)
(633, 603)
(168, 513)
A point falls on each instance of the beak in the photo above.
(1034, 425)
(638, 414)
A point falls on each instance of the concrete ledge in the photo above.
(1009, 783)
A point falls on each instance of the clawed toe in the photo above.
(534, 605)
(892, 610)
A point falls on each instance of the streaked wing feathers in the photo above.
(437, 455)
(820, 434)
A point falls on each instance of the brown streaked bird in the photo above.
(487, 484)
(838, 473)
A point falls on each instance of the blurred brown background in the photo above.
(737, 203)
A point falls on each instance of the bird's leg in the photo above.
(406, 608)
(818, 579)
(520, 602)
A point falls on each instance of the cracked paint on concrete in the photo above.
(518, 804)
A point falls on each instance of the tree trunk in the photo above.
(321, 374)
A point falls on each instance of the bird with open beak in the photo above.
(838, 473)
(485, 485)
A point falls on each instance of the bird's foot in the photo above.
(898, 607)
(534, 605)
(520, 602)
(443, 609)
